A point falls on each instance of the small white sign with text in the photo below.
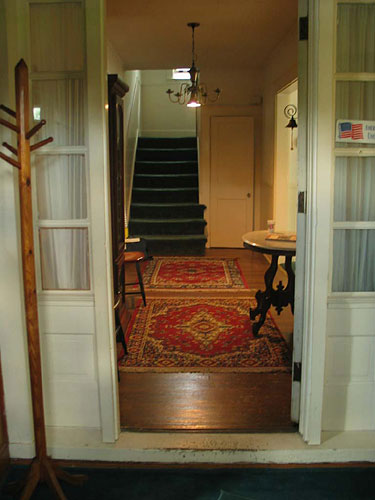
(362, 131)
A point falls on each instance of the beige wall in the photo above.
(280, 70)
(132, 113)
(115, 65)
(159, 117)
(131, 129)
(285, 165)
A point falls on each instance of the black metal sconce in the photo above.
(290, 111)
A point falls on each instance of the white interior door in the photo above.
(232, 179)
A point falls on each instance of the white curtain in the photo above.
(61, 187)
(61, 104)
(354, 249)
(65, 263)
(355, 38)
(61, 195)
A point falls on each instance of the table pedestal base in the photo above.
(279, 298)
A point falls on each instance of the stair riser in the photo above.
(176, 248)
(156, 142)
(165, 182)
(190, 196)
(179, 228)
(194, 211)
(168, 155)
(165, 168)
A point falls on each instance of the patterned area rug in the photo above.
(202, 334)
(191, 273)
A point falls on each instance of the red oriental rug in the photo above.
(202, 334)
(191, 273)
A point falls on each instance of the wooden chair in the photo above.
(136, 257)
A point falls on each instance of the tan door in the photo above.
(232, 178)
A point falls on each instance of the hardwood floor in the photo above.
(252, 402)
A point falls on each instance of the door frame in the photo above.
(312, 270)
(204, 132)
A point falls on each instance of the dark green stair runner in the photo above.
(165, 208)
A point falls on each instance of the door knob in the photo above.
(248, 195)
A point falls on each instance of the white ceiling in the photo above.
(152, 34)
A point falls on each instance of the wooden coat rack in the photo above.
(42, 468)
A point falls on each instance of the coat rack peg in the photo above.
(35, 129)
(8, 110)
(9, 125)
(10, 148)
(10, 160)
(41, 143)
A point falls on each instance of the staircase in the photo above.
(165, 208)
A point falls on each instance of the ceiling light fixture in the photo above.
(193, 93)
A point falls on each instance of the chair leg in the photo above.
(140, 281)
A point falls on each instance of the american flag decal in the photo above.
(349, 130)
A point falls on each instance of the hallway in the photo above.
(255, 402)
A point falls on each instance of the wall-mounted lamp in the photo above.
(290, 111)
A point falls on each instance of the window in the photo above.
(181, 74)
(58, 96)
(354, 183)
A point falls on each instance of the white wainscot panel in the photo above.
(68, 357)
(349, 392)
(66, 319)
(69, 380)
(349, 407)
(351, 318)
(70, 404)
(350, 359)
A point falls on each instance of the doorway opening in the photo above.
(222, 401)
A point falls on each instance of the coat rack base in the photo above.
(44, 471)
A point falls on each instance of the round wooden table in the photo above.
(282, 296)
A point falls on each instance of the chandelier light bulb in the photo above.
(193, 93)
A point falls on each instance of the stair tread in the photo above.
(167, 221)
(166, 149)
(184, 204)
(165, 189)
(168, 162)
(174, 237)
(166, 175)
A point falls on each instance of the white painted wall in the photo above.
(132, 116)
(285, 174)
(77, 337)
(280, 70)
(159, 117)
(131, 130)
(115, 65)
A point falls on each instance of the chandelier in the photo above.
(193, 93)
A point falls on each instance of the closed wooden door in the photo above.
(232, 179)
